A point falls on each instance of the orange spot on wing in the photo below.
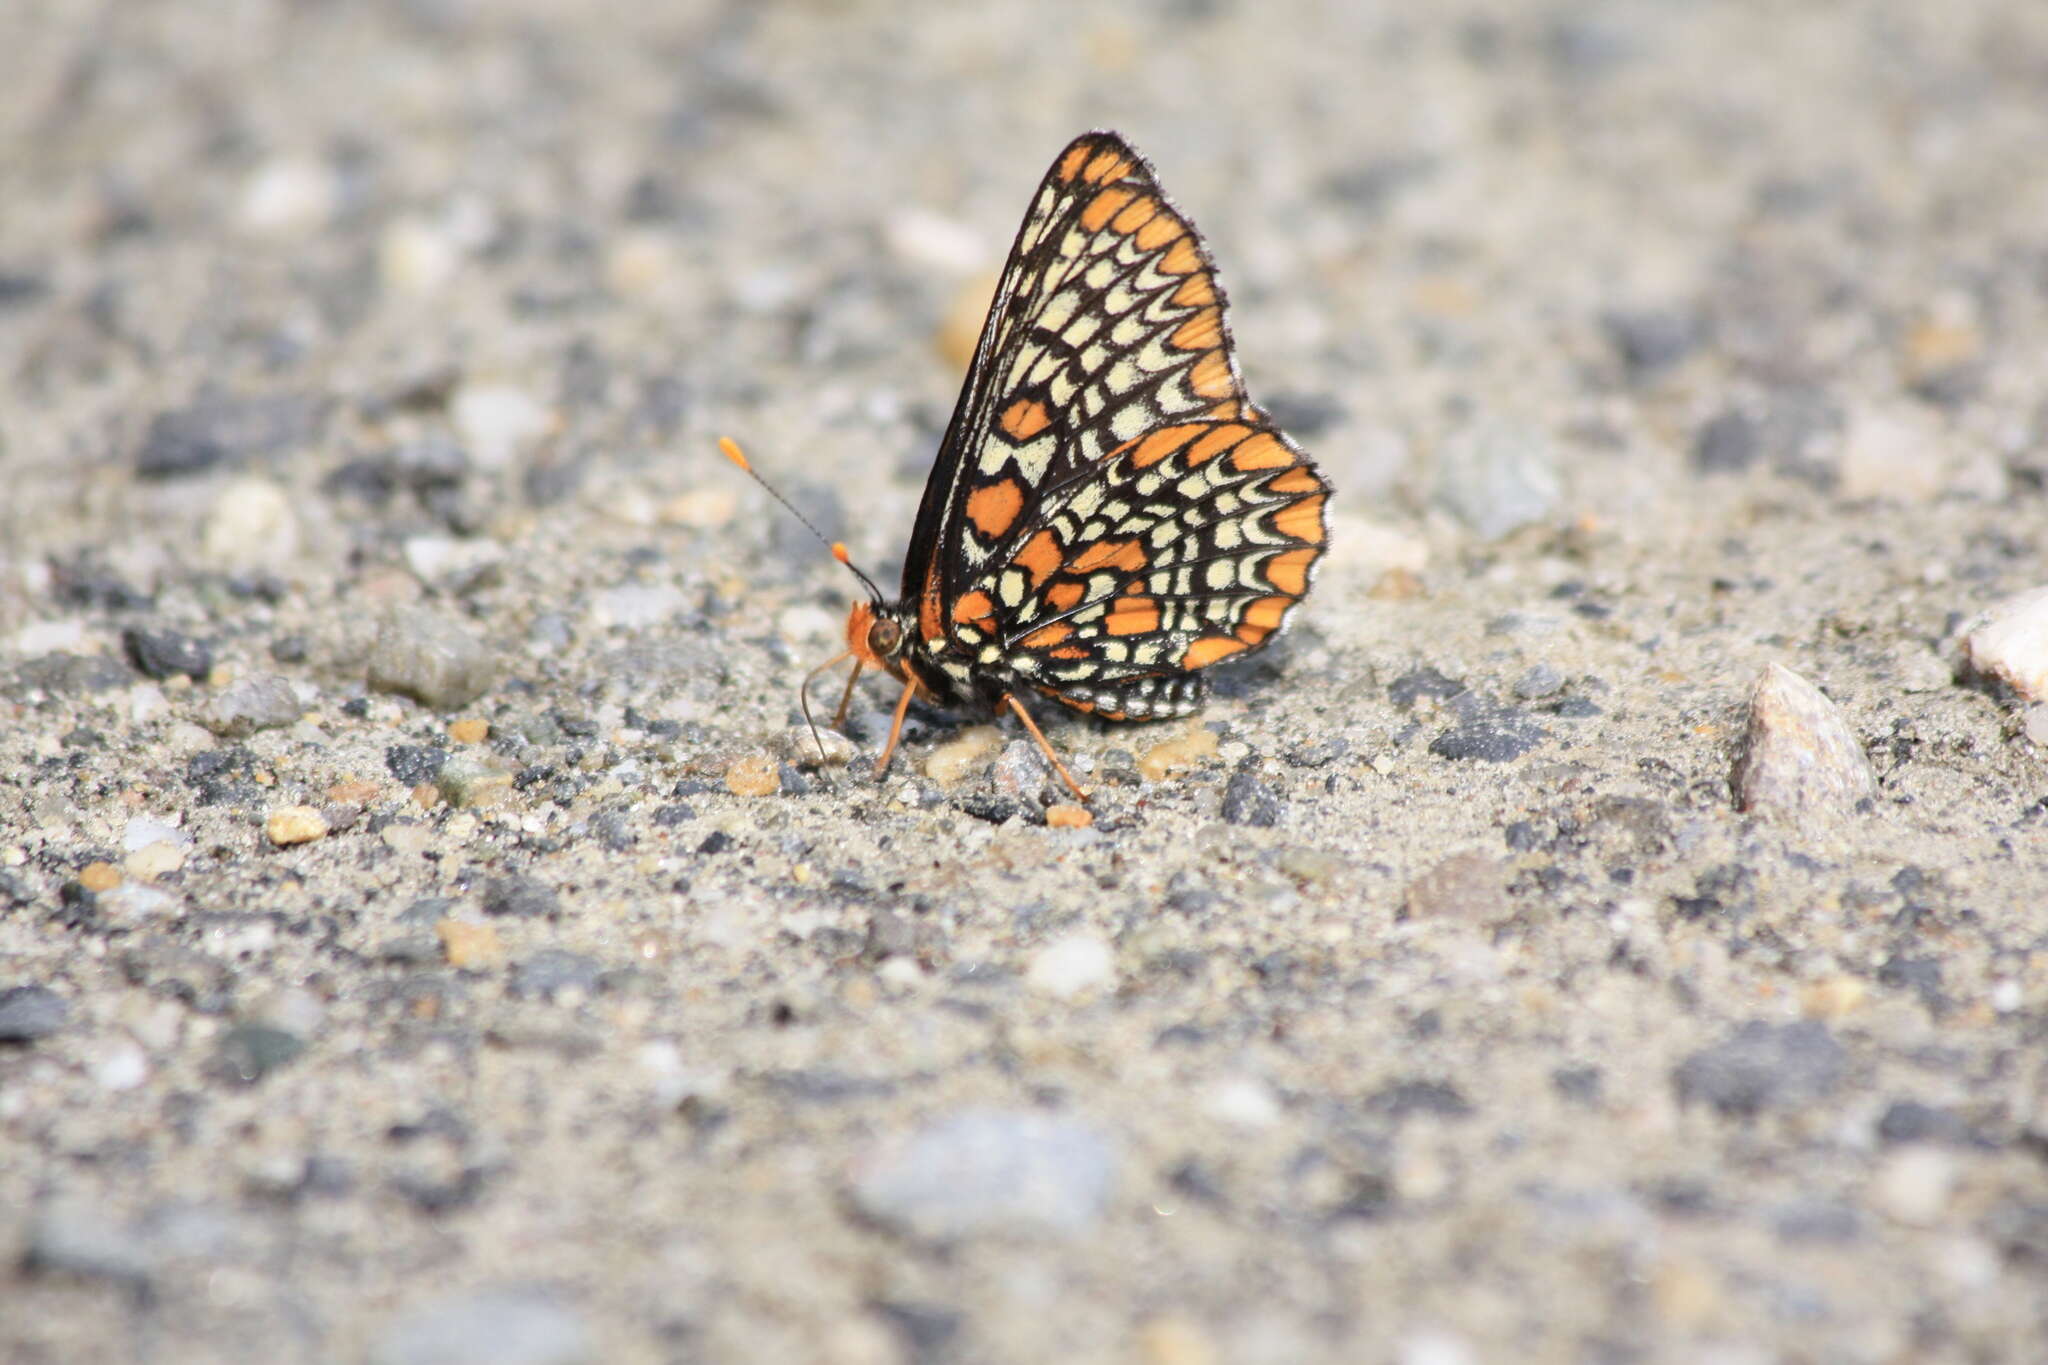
(1289, 571)
(1215, 443)
(1071, 164)
(1211, 376)
(1262, 451)
(1133, 616)
(1303, 520)
(1106, 166)
(931, 622)
(1045, 637)
(1039, 557)
(1070, 652)
(1300, 480)
(1024, 419)
(974, 609)
(1201, 331)
(1182, 258)
(1140, 212)
(993, 508)
(1104, 206)
(1264, 616)
(1162, 228)
(1194, 292)
(1157, 445)
(1115, 554)
(1228, 410)
(1065, 595)
(1208, 650)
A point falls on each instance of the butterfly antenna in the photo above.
(731, 450)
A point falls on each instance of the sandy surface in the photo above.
(1438, 1008)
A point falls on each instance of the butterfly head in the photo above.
(876, 636)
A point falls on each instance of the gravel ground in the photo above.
(426, 934)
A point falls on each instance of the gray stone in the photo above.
(1248, 800)
(1762, 1067)
(263, 701)
(519, 897)
(71, 1237)
(31, 1012)
(432, 658)
(166, 653)
(555, 969)
(984, 1171)
(508, 1325)
(249, 1052)
(1797, 754)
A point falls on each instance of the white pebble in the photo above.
(1895, 455)
(251, 525)
(141, 831)
(416, 257)
(2010, 642)
(1072, 965)
(498, 422)
(1242, 1102)
(1798, 753)
(146, 703)
(1913, 1185)
(287, 195)
(120, 1065)
(1434, 1346)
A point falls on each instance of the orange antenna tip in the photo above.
(731, 450)
(839, 553)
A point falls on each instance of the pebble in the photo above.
(217, 429)
(498, 422)
(703, 509)
(469, 945)
(295, 825)
(520, 898)
(1541, 680)
(958, 756)
(286, 196)
(1466, 886)
(1072, 966)
(1020, 772)
(141, 831)
(1728, 444)
(164, 654)
(455, 564)
(248, 1052)
(1493, 737)
(638, 606)
(1498, 476)
(1242, 1102)
(1899, 455)
(1763, 1066)
(1249, 800)
(1650, 339)
(1797, 754)
(1065, 816)
(2034, 725)
(554, 970)
(826, 749)
(251, 525)
(118, 1065)
(31, 1012)
(468, 782)
(2009, 641)
(70, 1237)
(989, 1171)
(416, 256)
(509, 1325)
(262, 701)
(99, 876)
(1435, 1346)
(1179, 754)
(753, 775)
(432, 658)
(1914, 1184)
(152, 861)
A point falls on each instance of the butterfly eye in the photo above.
(883, 637)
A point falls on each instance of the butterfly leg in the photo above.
(846, 697)
(896, 725)
(1010, 700)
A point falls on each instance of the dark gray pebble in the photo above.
(521, 897)
(414, 764)
(1496, 738)
(166, 653)
(1650, 339)
(31, 1012)
(1763, 1066)
(1728, 444)
(249, 1052)
(1247, 800)
(217, 429)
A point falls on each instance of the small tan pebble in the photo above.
(753, 775)
(1797, 753)
(957, 757)
(153, 860)
(1171, 1340)
(426, 796)
(406, 838)
(1466, 886)
(826, 749)
(99, 876)
(295, 825)
(1833, 998)
(1186, 750)
(702, 509)
(1914, 1184)
(1685, 1293)
(1395, 585)
(1068, 817)
(2009, 641)
(353, 792)
(469, 731)
(469, 945)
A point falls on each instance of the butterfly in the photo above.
(1109, 513)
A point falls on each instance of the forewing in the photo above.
(1107, 322)
(1185, 546)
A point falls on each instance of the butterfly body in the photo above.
(1109, 514)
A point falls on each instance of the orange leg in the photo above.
(896, 725)
(1010, 700)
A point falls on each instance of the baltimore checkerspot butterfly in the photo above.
(1109, 513)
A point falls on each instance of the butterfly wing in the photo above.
(1184, 547)
(1106, 324)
